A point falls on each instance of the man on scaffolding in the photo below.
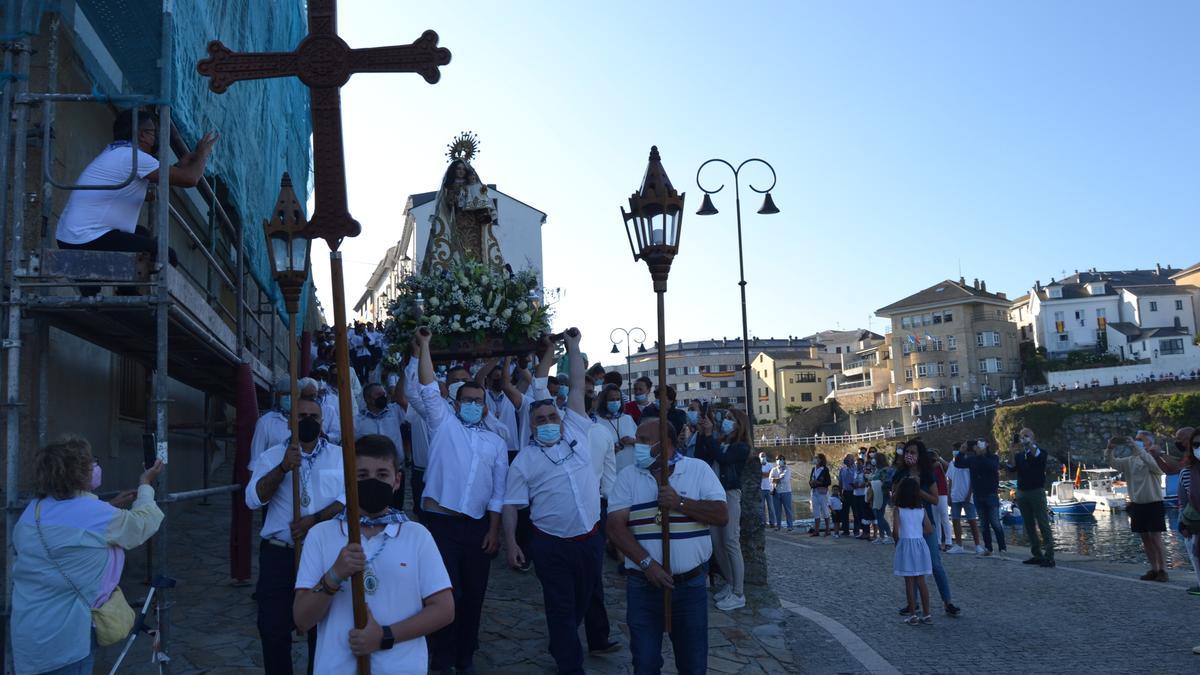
(106, 219)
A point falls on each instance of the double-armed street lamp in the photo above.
(631, 336)
(653, 225)
(289, 246)
(768, 208)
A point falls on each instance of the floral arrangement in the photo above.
(467, 302)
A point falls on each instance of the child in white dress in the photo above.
(912, 561)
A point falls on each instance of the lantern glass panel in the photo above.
(299, 254)
(279, 252)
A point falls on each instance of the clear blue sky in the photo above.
(1015, 140)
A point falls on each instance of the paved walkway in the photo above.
(1084, 616)
(214, 620)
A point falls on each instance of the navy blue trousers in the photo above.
(570, 575)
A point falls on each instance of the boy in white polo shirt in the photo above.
(407, 589)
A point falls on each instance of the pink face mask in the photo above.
(97, 474)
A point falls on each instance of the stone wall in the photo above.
(1085, 436)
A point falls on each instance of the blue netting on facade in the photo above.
(264, 124)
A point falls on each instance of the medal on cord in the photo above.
(370, 581)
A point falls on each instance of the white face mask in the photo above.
(1196, 453)
(452, 390)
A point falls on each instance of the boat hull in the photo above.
(1074, 509)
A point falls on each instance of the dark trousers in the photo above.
(689, 625)
(595, 620)
(569, 572)
(274, 592)
(459, 540)
(849, 507)
(417, 481)
(860, 514)
(138, 241)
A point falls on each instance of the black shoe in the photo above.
(905, 611)
(952, 610)
(612, 646)
(525, 567)
(1046, 563)
(1032, 561)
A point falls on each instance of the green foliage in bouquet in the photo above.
(466, 300)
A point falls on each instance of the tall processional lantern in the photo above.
(653, 225)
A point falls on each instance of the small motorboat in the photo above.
(1010, 513)
(1064, 502)
(1103, 488)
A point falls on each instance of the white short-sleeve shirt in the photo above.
(409, 569)
(321, 479)
(637, 490)
(90, 214)
(558, 482)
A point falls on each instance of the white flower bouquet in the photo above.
(474, 310)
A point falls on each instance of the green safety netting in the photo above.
(264, 124)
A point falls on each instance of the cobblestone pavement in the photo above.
(214, 627)
(1084, 616)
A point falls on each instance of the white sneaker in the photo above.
(888, 540)
(979, 548)
(732, 602)
(954, 550)
(725, 592)
(836, 535)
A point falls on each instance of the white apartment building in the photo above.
(518, 230)
(1072, 314)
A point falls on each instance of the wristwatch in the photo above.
(645, 563)
(388, 640)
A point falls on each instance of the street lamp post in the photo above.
(768, 207)
(289, 248)
(653, 226)
(629, 339)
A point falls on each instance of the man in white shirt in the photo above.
(695, 500)
(553, 475)
(959, 479)
(106, 220)
(462, 501)
(317, 464)
(408, 592)
(327, 395)
(381, 417)
(272, 428)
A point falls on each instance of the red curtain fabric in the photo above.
(305, 353)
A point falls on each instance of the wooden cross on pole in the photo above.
(324, 62)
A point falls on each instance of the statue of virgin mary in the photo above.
(464, 215)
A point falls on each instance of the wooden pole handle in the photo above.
(345, 408)
(664, 439)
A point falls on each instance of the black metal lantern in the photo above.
(288, 244)
(654, 221)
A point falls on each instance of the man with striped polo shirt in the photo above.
(695, 500)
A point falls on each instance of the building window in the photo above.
(670, 371)
(952, 343)
(988, 338)
(989, 365)
(805, 396)
(1178, 305)
(954, 369)
(1153, 306)
(1169, 347)
(905, 322)
(947, 316)
(922, 370)
(908, 374)
(907, 347)
(941, 368)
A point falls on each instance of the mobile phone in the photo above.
(149, 451)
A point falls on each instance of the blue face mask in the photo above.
(1141, 445)
(693, 416)
(285, 404)
(614, 407)
(642, 456)
(470, 413)
(549, 434)
(641, 398)
(727, 426)
(563, 390)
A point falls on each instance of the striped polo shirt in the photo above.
(636, 490)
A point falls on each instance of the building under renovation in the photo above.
(170, 360)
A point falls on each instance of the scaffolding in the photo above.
(197, 327)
